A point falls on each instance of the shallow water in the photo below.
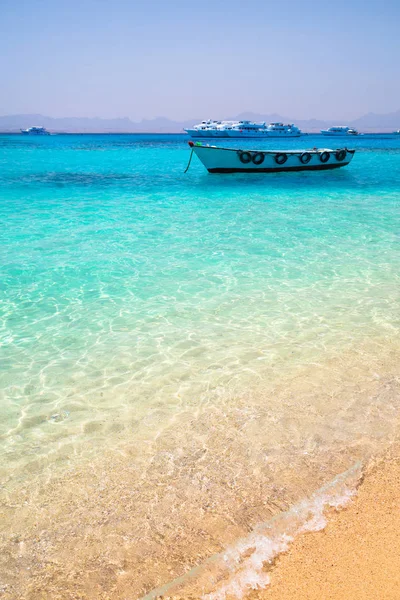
(182, 356)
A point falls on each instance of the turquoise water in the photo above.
(156, 314)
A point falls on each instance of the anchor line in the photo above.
(190, 160)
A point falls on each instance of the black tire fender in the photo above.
(340, 154)
(305, 158)
(245, 157)
(281, 158)
(258, 158)
(324, 157)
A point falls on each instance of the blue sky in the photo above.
(184, 59)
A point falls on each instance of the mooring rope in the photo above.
(190, 160)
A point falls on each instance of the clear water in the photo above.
(187, 354)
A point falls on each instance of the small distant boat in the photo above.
(230, 160)
(339, 131)
(397, 132)
(35, 130)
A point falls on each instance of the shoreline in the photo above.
(357, 554)
(352, 549)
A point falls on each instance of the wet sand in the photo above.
(356, 556)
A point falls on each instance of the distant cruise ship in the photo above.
(243, 129)
(35, 130)
(210, 128)
(339, 130)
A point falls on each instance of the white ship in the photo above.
(247, 129)
(339, 131)
(35, 130)
(242, 129)
(231, 160)
(211, 128)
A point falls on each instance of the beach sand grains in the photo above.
(357, 555)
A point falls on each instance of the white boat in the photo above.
(339, 131)
(397, 132)
(247, 129)
(208, 128)
(242, 129)
(232, 160)
(35, 130)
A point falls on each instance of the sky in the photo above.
(199, 58)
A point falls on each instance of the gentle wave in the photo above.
(244, 566)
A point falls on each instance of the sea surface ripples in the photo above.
(182, 356)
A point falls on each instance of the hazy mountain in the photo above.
(11, 123)
(373, 121)
(67, 124)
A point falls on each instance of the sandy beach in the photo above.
(356, 556)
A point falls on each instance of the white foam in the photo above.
(246, 560)
(242, 567)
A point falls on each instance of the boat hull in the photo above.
(230, 160)
(25, 132)
(274, 169)
(229, 133)
(333, 134)
(263, 134)
(203, 133)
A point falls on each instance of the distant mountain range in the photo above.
(13, 123)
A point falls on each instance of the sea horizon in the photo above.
(384, 123)
(205, 139)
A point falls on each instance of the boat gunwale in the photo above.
(194, 145)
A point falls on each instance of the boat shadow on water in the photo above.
(339, 179)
